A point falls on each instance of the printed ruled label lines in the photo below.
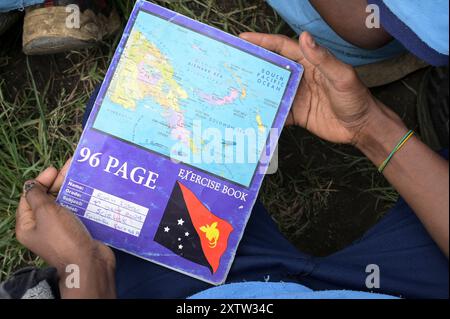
(104, 208)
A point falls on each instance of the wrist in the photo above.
(381, 133)
(92, 274)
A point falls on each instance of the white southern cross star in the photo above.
(180, 246)
(186, 234)
(166, 229)
(180, 222)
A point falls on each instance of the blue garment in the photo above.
(428, 19)
(411, 264)
(269, 290)
(421, 26)
(302, 16)
(9, 5)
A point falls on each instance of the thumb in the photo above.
(37, 196)
(330, 67)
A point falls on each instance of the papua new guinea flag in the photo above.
(191, 231)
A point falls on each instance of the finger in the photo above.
(25, 218)
(333, 69)
(302, 106)
(60, 178)
(290, 119)
(37, 196)
(47, 177)
(280, 44)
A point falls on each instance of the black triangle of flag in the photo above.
(177, 233)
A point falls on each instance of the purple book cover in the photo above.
(170, 163)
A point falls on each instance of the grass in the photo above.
(313, 196)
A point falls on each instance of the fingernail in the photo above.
(28, 186)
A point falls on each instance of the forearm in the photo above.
(419, 174)
(348, 19)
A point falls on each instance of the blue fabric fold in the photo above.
(302, 16)
(421, 26)
(263, 290)
(9, 5)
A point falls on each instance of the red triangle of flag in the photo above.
(212, 230)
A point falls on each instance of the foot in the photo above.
(388, 71)
(53, 27)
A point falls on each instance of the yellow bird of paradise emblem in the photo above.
(211, 233)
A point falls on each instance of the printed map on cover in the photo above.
(170, 77)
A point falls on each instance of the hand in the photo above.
(332, 102)
(57, 236)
